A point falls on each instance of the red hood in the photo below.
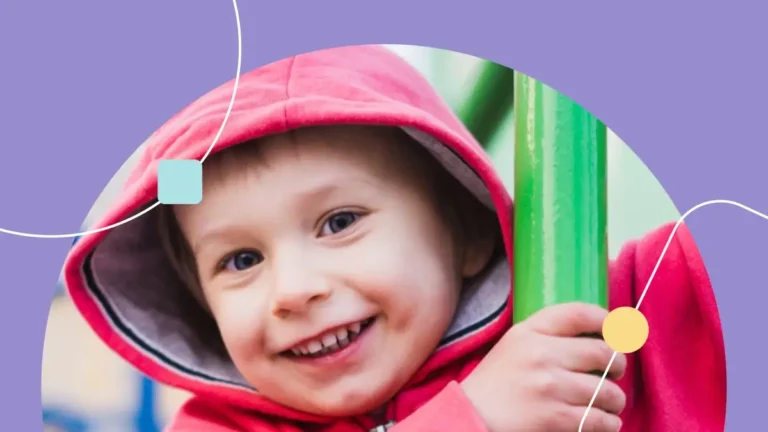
(121, 281)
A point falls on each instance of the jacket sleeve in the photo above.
(449, 410)
(676, 381)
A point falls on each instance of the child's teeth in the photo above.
(314, 347)
(330, 342)
(329, 339)
(355, 328)
(331, 348)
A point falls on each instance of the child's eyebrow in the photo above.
(327, 188)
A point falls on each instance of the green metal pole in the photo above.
(561, 249)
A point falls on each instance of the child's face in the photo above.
(325, 238)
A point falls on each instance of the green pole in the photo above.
(561, 249)
(488, 103)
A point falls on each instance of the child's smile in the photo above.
(331, 341)
(340, 348)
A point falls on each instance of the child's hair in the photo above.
(468, 218)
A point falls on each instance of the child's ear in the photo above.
(477, 255)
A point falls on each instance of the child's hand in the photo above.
(538, 376)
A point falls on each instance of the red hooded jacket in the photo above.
(121, 282)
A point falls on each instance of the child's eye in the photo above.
(243, 260)
(338, 222)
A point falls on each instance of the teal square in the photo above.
(180, 182)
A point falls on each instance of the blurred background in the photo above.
(86, 388)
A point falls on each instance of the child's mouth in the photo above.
(331, 342)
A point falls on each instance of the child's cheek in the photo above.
(398, 280)
(241, 324)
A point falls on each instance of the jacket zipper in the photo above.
(382, 419)
(384, 427)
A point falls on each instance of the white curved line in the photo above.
(653, 274)
(215, 140)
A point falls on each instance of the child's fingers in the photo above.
(589, 355)
(570, 319)
(599, 421)
(565, 417)
(579, 388)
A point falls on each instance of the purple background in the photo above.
(84, 83)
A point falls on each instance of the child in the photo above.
(349, 270)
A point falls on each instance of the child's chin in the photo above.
(353, 408)
(339, 403)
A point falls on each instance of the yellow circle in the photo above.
(625, 330)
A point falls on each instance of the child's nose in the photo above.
(296, 290)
